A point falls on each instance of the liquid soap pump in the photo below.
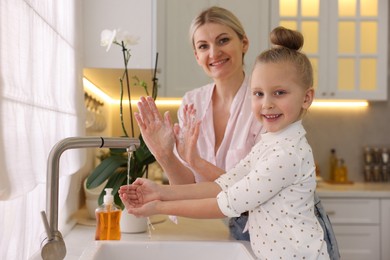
(108, 218)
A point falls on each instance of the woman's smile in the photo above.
(219, 50)
(218, 62)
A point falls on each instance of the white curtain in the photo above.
(41, 102)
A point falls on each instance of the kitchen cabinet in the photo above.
(385, 231)
(356, 223)
(346, 42)
(136, 17)
(179, 71)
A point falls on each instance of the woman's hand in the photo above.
(187, 136)
(156, 131)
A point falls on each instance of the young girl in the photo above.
(275, 183)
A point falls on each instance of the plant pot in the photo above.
(132, 224)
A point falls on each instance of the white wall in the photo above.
(348, 131)
(134, 16)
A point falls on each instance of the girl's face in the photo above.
(278, 98)
(218, 50)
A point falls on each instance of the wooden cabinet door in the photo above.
(346, 42)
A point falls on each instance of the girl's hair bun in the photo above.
(283, 37)
(286, 46)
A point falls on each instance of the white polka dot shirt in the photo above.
(276, 184)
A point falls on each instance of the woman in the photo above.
(229, 130)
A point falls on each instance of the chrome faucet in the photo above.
(53, 246)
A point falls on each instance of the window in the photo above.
(41, 100)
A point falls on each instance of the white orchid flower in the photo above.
(126, 38)
(107, 38)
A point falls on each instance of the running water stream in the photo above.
(130, 151)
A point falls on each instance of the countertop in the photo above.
(82, 235)
(354, 190)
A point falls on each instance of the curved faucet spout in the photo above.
(53, 247)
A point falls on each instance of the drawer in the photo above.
(358, 242)
(352, 211)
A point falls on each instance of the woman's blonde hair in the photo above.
(286, 46)
(217, 15)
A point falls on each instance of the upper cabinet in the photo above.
(346, 41)
(136, 17)
(179, 71)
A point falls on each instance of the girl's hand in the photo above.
(187, 136)
(156, 131)
(146, 210)
(139, 193)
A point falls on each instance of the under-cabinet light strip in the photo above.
(340, 103)
(101, 94)
(177, 101)
(89, 86)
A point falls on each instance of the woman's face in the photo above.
(278, 97)
(219, 51)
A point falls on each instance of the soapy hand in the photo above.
(141, 197)
(187, 136)
(157, 131)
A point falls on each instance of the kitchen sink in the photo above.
(167, 250)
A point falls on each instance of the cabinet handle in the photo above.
(330, 213)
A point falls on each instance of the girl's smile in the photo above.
(272, 117)
(278, 98)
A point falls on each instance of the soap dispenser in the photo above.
(108, 218)
(333, 161)
(341, 175)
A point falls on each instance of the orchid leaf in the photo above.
(104, 170)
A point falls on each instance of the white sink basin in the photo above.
(166, 250)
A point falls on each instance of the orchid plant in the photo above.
(113, 167)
